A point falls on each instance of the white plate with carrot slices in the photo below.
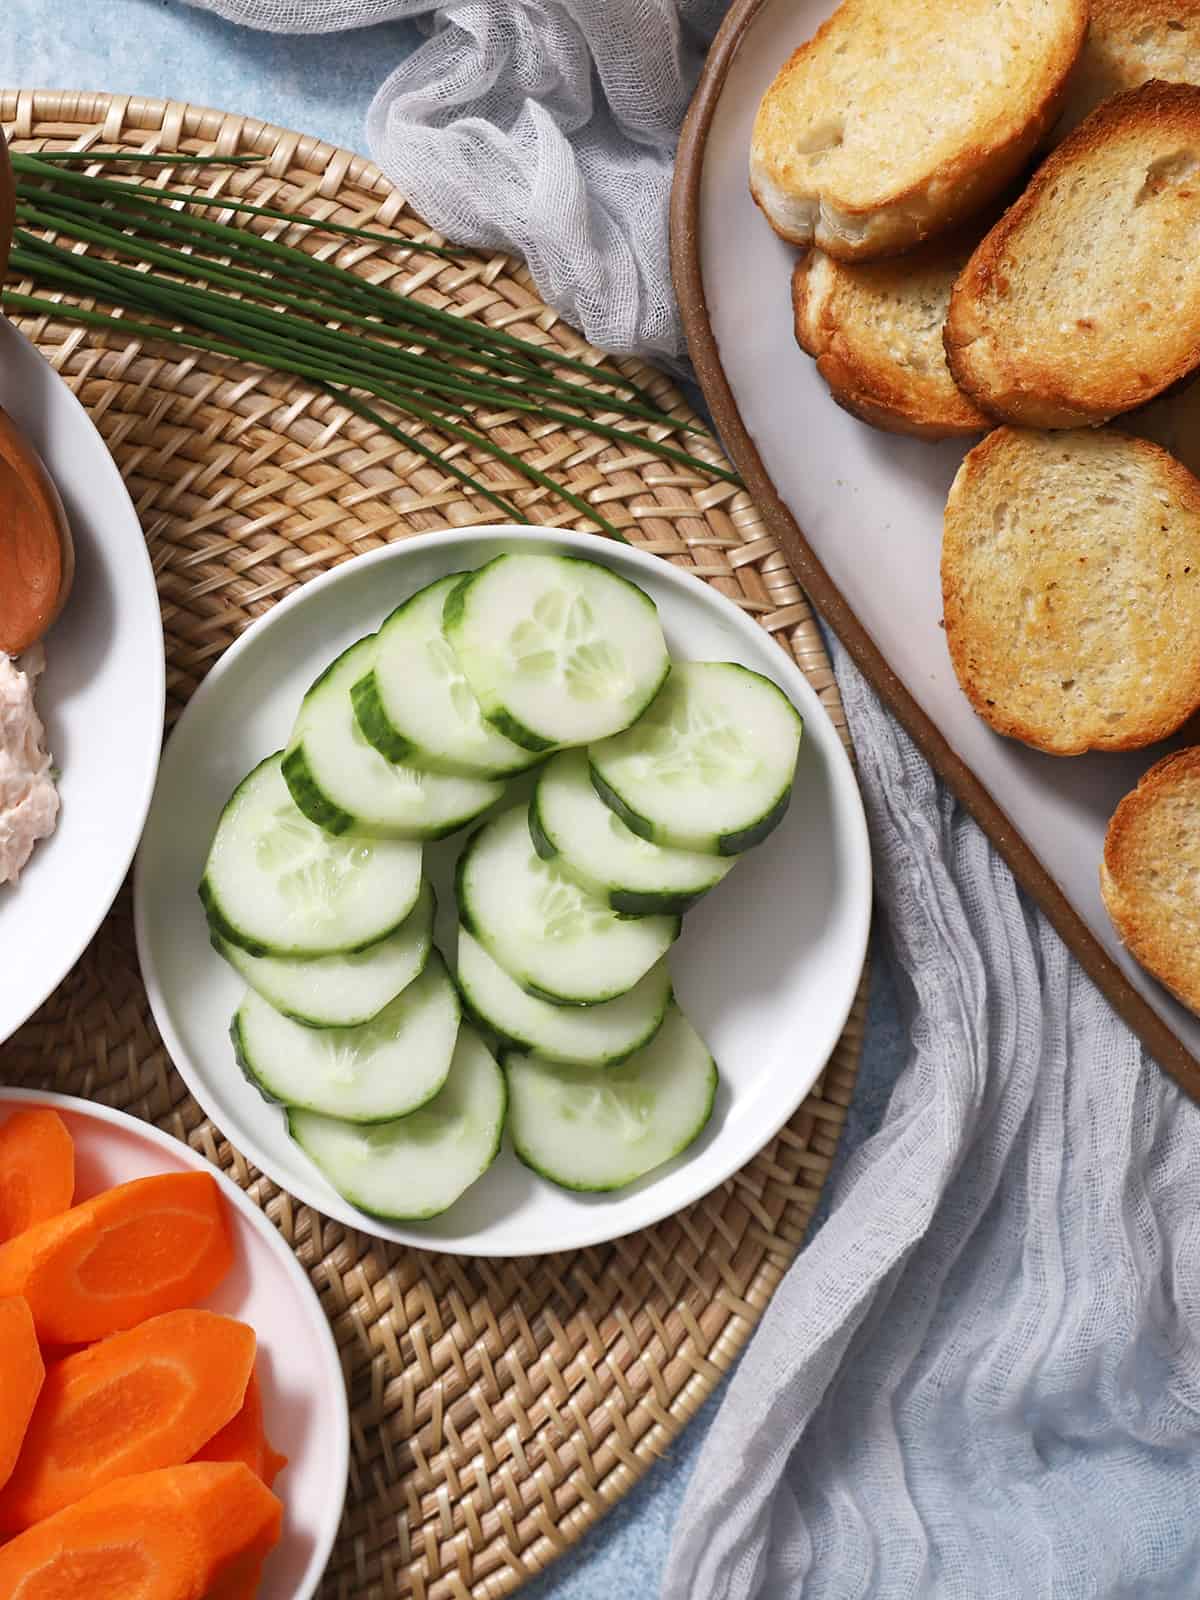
(175, 1418)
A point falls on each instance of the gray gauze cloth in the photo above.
(982, 1377)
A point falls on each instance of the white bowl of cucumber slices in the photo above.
(526, 915)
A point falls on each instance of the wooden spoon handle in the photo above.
(37, 556)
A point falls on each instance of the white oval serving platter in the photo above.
(858, 512)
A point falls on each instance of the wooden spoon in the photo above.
(37, 557)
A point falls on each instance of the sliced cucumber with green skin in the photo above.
(593, 1128)
(343, 784)
(710, 765)
(553, 938)
(345, 990)
(585, 1036)
(419, 1165)
(382, 1069)
(414, 704)
(558, 650)
(571, 826)
(276, 884)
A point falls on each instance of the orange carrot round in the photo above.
(138, 1250)
(21, 1375)
(141, 1400)
(183, 1533)
(244, 1439)
(242, 1581)
(243, 1520)
(37, 1169)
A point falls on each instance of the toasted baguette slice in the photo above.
(899, 118)
(875, 330)
(1071, 588)
(1128, 43)
(1150, 876)
(1084, 299)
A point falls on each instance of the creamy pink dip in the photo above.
(28, 798)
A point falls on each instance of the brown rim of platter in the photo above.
(686, 268)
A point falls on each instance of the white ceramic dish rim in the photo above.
(846, 799)
(142, 571)
(325, 1537)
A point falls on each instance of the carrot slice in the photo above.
(115, 1545)
(37, 1169)
(140, 1400)
(272, 1466)
(245, 1439)
(143, 1248)
(176, 1534)
(238, 1520)
(242, 1581)
(21, 1375)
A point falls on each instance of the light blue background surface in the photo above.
(322, 86)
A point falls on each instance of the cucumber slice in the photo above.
(276, 884)
(557, 650)
(340, 991)
(414, 704)
(571, 826)
(586, 1036)
(344, 785)
(604, 1127)
(382, 1069)
(710, 765)
(554, 939)
(419, 1165)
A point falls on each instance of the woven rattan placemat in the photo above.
(499, 1407)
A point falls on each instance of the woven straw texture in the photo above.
(498, 1407)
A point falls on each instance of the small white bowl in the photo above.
(304, 1393)
(766, 968)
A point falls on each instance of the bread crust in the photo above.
(804, 209)
(1128, 43)
(1046, 390)
(1160, 929)
(831, 304)
(1019, 641)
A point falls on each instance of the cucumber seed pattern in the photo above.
(563, 910)
(560, 640)
(351, 1052)
(343, 1058)
(618, 1102)
(349, 1057)
(685, 742)
(445, 665)
(311, 868)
